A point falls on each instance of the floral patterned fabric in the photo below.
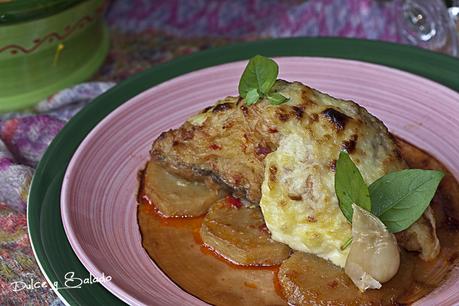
(144, 33)
(24, 138)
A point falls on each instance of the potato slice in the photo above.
(306, 279)
(239, 234)
(175, 196)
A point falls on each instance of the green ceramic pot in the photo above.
(45, 48)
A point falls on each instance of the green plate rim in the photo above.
(21, 11)
(51, 247)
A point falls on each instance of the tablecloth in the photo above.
(145, 33)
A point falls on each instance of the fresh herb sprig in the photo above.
(257, 80)
(350, 186)
(398, 199)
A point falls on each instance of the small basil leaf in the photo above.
(276, 98)
(261, 73)
(400, 198)
(252, 97)
(267, 85)
(350, 186)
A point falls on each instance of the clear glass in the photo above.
(427, 24)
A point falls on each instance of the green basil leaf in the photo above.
(267, 85)
(252, 97)
(261, 73)
(276, 98)
(350, 186)
(400, 198)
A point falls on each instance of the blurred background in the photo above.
(57, 55)
(47, 45)
(153, 31)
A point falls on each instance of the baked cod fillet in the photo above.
(282, 157)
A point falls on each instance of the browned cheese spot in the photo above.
(283, 117)
(309, 185)
(350, 144)
(314, 117)
(215, 146)
(262, 150)
(237, 178)
(306, 94)
(244, 110)
(295, 197)
(206, 109)
(244, 148)
(272, 173)
(161, 136)
(187, 134)
(338, 119)
(272, 130)
(282, 203)
(332, 165)
(228, 125)
(222, 107)
(299, 111)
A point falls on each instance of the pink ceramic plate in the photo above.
(98, 203)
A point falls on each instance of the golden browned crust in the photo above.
(231, 140)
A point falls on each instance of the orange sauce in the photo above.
(194, 223)
(188, 222)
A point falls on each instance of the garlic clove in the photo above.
(361, 279)
(374, 257)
